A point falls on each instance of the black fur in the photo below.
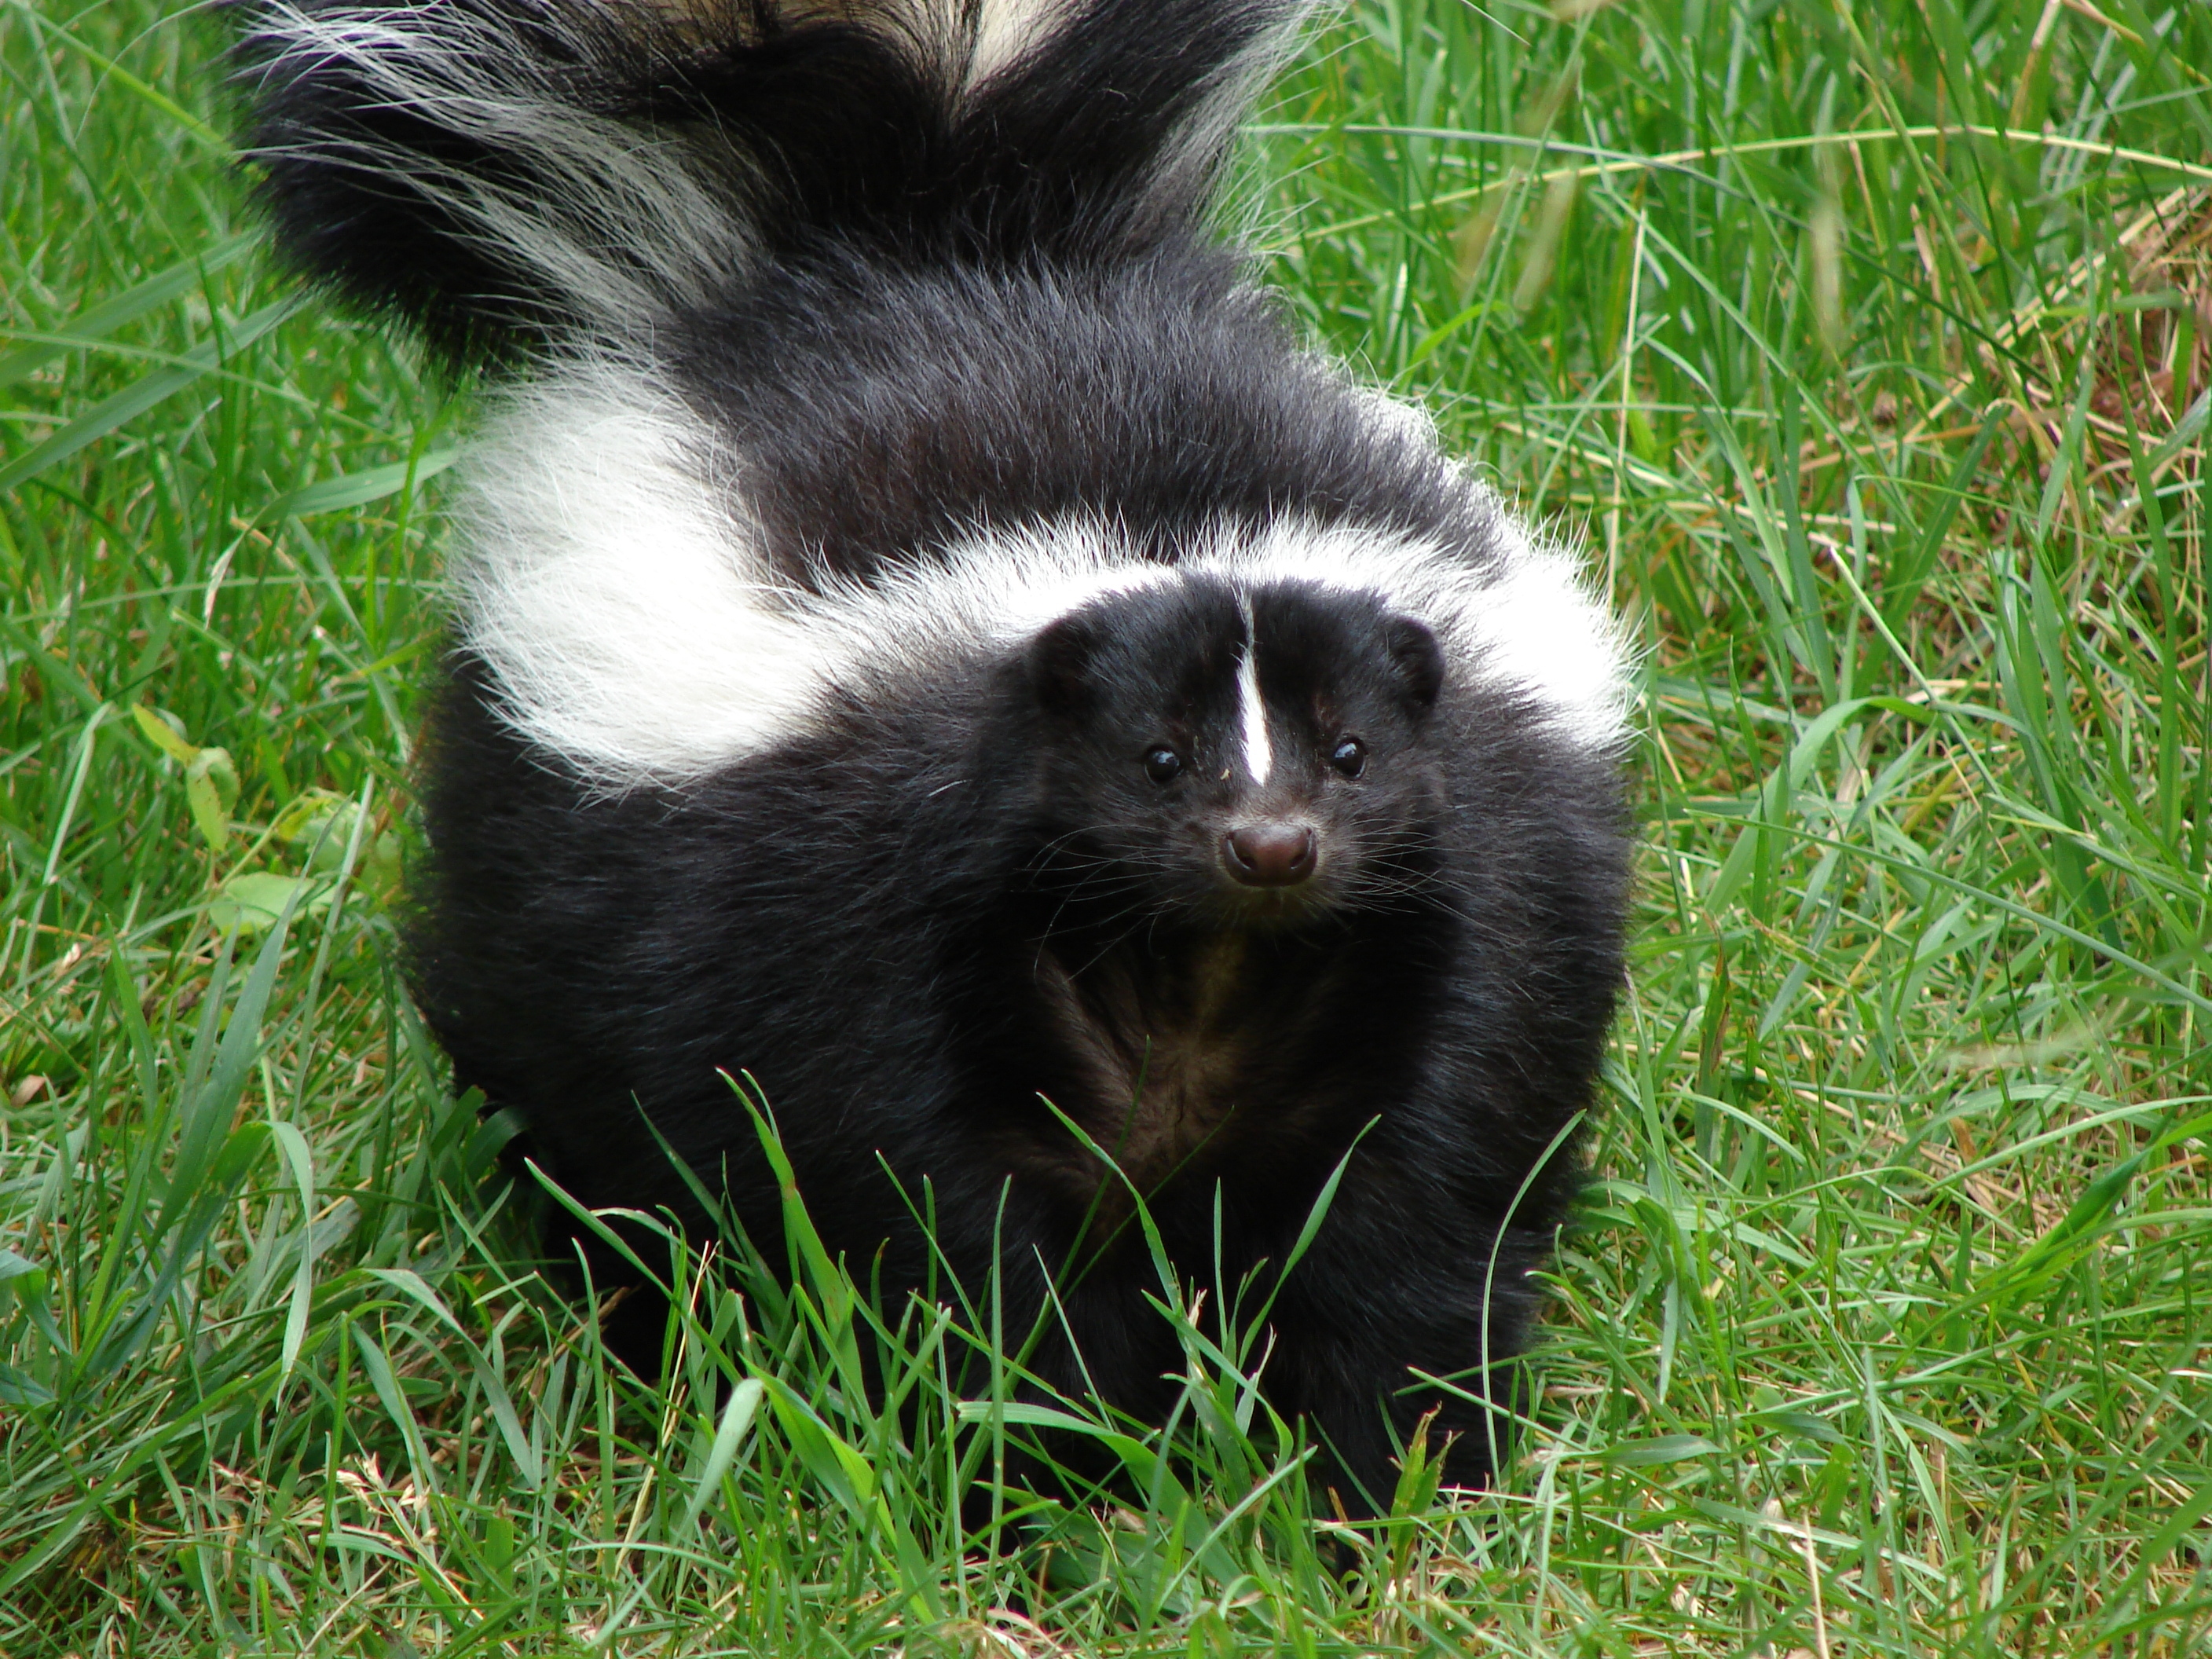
(935, 906)
(881, 411)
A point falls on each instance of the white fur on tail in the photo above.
(621, 222)
(616, 222)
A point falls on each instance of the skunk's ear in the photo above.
(1060, 663)
(1419, 659)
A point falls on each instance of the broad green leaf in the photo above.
(326, 823)
(211, 788)
(304, 814)
(254, 901)
(166, 732)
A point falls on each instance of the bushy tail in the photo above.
(510, 173)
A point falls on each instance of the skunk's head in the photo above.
(1247, 755)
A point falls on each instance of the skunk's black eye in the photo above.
(1163, 765)
(1349, 757)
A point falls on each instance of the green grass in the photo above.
(1865, 349)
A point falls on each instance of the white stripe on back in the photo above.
(609, 575)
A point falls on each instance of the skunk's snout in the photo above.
(1270, 854)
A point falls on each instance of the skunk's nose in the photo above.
(1271, 854)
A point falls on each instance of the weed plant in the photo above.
(1863, 347)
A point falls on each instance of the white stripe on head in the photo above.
(1259, 758)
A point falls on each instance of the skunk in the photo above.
(927, 636)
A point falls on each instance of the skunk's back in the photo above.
(510, 175)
